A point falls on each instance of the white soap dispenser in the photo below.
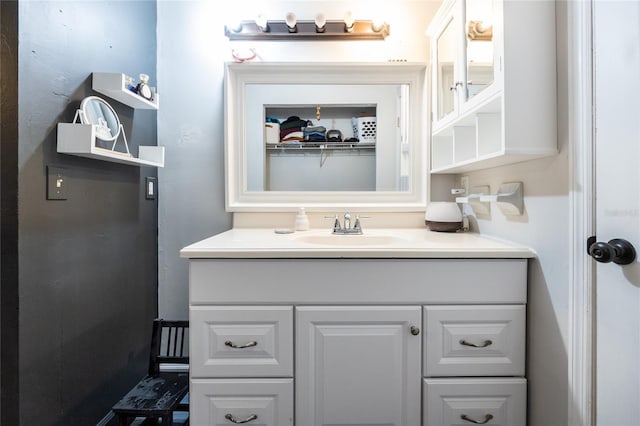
(302, 221)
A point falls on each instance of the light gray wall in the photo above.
(192, 51)
(545, 227)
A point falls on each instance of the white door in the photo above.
(616, 27)
(358, 365)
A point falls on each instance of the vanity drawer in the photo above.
(495, 401)
(474, 340)
(241, 341)
(222, 402)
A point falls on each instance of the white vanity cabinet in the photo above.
(355, 341)
(494, 83)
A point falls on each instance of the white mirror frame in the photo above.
(238, 76)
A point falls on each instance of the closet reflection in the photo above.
(349, 139)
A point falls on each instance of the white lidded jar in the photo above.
(302, 221)
(443, 217)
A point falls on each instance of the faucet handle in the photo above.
(356, 225)
(336, 223)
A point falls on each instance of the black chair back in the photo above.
(169, 346)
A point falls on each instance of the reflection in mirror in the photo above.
(326, 138)
(325, 135)
(446, 84)
(321, 148)
(480, 45)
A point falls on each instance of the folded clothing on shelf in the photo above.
(292, 122)
(292, 125)
(315, 133)
(295, 136)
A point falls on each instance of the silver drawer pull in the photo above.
(246, 345)
(486, 420)
(474, 345)
(234, 420)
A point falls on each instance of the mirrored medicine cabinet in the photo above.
(325, 135)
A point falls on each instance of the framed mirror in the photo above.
(96, 111)
(325, 136)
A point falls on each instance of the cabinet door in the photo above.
(481, 51)
(446, 59)
(492, 401)
(358, 365)
(259, 402)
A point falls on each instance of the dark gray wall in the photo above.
(9, 208)
(87, 266)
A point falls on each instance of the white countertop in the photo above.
(375, 243)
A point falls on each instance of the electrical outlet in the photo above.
(464, 184)
(151, 189)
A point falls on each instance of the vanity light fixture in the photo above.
(291, 21)
(318, 29)
(321, 23)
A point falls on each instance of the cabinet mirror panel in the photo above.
(446, 78)
(325, 135)
(479, 45)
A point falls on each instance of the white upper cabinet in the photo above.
(493, 83)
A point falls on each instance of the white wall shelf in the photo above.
(80, 139)
(114, 85)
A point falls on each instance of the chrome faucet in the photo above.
(346, 228)
(347, 221)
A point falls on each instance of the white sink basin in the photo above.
(350, 240)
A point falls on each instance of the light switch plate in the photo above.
(57, 183)
(150, 188)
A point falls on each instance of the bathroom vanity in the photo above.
(393, 327)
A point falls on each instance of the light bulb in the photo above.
(234, 26)
(261, 22)
(348, 22)
(290, 19)
(377, 23)
(321, 22)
